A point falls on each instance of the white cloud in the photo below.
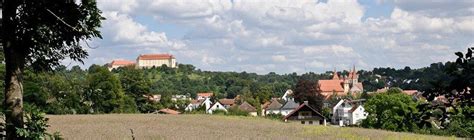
(278, 58)
(286, 35)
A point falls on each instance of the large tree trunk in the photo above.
(15, 60)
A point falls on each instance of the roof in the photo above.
(155, 56)
(121, 63)
(410, 92)
(247, 107)
(274, 105)
(196, 101)
(204, 94)
(354, 108)
(290, 104)
(168, 111)
(330, 85)
(301, 106)
(227, 101)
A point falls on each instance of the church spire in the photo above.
(335, 76)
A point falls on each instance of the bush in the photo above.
(35, 126)
(234, 111)
(274, 116)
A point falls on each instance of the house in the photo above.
(155, 60)
(201, 96)
(168, 111)
(245, 106)
(153, 98)
(288, 94)
(198, 103)
(341, 86)
(348, 112)
(289, 106)
(214, 107)
(306, 115)
(180, 97)
(227, 103)
(357, 114)
(193, 105)
(119, 63)
(272, 107)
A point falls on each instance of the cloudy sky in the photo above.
(286, 36)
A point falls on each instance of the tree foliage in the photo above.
(306, 90)
(391, 111)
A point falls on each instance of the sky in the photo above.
(285, 36)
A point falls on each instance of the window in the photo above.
(310, 122)
(302, 122)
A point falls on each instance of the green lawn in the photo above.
(153, 126)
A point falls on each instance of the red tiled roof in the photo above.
(227, 101)
(196, 101)
(169, 111)
(204, 94)
(155, 56)
(330, 85)
(122, 62)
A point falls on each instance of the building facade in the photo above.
(119, 63)
(155, 60)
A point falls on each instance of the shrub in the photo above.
(236, 112)
(35, 126)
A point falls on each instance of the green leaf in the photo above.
(469, 53)
(459, 54)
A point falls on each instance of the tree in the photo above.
(40, 33)
(391, 111)
(457, 89)
(105, 93)
(306, 90)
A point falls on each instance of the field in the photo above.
(154, 126)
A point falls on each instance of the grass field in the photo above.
(153, 126)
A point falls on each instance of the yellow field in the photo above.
(154, 126)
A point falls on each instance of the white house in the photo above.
(348, 112)
(289, 106)
(216, 106)
(272, 107)
(180, 97)
(357, 114)
(197, 103)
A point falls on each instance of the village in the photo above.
(343, 111)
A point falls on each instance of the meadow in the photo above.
(157, 126)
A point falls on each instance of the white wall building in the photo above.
(216, 106)
(155, 60)
(347, 112)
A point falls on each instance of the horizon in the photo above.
(285, 36)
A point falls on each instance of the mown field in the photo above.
(154, 126)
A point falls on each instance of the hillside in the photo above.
(153, 126)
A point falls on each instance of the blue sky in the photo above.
(286, 36)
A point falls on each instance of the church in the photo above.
(341, 86)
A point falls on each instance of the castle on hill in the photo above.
(146, 61)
